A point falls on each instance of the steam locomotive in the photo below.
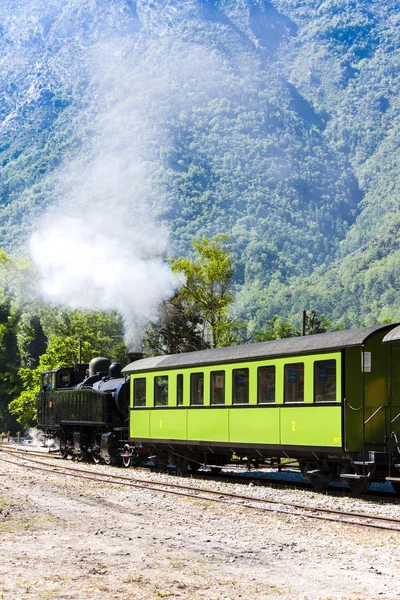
(86, 408)
(330, 401)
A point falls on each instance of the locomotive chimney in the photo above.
(133, 356)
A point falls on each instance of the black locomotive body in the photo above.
(86, 407)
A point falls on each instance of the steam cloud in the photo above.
(101, 245)
(99, 267)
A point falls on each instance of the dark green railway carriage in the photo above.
(323, 399)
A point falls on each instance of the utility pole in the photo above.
(80, 351)
(303, 323)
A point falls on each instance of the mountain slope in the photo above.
(272, 121)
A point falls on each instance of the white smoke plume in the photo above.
(101, 246)
(101, 266)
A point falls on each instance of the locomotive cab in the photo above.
(66, 377)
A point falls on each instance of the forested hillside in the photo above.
(275, 122)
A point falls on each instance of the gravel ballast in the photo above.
(65, 538)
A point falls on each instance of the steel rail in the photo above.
(324, 514)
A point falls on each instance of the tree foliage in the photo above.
(178, 329)
(207, 290)
(270, 122)
(68, 333)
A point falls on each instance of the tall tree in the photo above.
(276, 329)
(13, 280)
(315, 323)
(178, 329)
(68, 333)
(207, 289)
(9, 361)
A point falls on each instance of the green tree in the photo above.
(178, 329)
(9, 361)
(32, 340)
(276, 329)
(207, 290)
(15, 293)
(316, 323)
(69, 332)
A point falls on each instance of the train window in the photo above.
(161, 390)
(240, 386)
(179, 390)
(294, 382)
(46, 384)
(325, 381)
(197, 389)
(217, 390)
(266, 384)
(63, 379)
(139, 392)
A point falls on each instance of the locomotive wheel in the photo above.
(126, 456)
(63, 445)
(81, 456)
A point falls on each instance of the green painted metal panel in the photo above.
(140, 424)
(168, 424)
(254, 426)
(279, 364)
(270, 425)
(368, 396)
(312, 426)
(209, 424)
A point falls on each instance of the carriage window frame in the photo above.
(239, 373)
(64, 379)
(136, 383)
(269, 384)
(179, 389)
(332, 380)
(161, 391)
(197, 399)
(294, 367)
(216, 385)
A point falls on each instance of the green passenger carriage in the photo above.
(330, 401)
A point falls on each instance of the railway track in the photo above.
(235, 475)
(198, 493)
(29, 450)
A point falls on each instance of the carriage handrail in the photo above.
(373, 414)
(396, 417)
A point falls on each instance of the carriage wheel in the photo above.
(216, 470)
(396, 486)
(181, 464)
(319, 483)
(358, 487)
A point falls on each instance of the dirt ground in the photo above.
(65, 538)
